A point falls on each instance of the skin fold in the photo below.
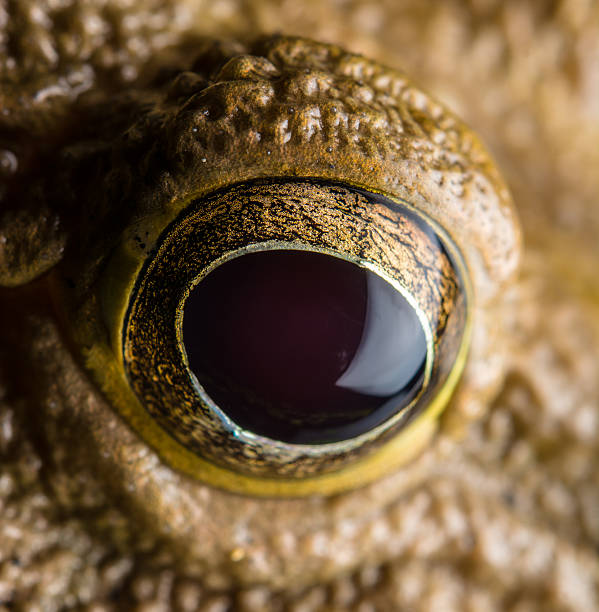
(499, 510)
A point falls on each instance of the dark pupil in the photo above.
(303, 347)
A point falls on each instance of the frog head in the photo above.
(360, 151)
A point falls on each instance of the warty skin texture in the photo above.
(500, 512)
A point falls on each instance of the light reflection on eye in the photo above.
(392, 349)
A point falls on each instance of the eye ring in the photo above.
(235, 221)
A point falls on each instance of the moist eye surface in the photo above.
(303, 347)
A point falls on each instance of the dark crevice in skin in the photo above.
(30, 415)
(31, 299)
(36, 151)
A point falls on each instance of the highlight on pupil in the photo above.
(303, 347)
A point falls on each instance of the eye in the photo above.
(291, 328)
(304, 347)
(284, 262)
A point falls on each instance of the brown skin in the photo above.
(501, 514)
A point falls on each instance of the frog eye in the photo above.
(279, 263)
(290, 329)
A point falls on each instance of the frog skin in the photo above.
(500, 510)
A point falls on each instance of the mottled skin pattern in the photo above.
(500, 512)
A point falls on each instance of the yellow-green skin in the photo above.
(499, 509)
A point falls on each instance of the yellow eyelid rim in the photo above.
(123, 270)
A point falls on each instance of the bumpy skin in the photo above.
(505, 516)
